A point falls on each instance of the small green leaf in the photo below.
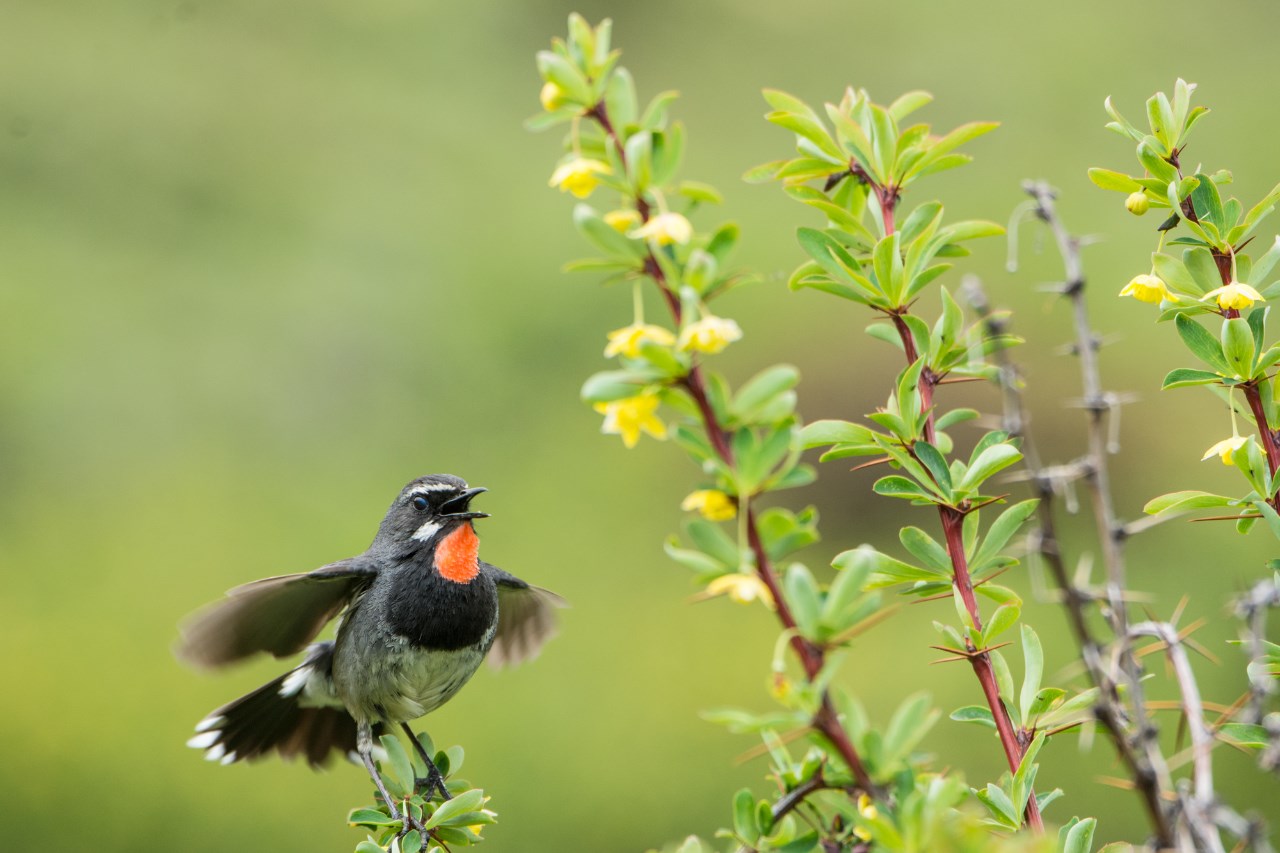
(1111, 180)
(974, 714)
(828, 432)
(467, 801)
(1202, 344)
(989, 462)
(1185, 501)
(1033, 654)
(1079, 838)
(1238, 346)
(397, 769)
(1182, 377)
(1245, 734)
(1005, 617)
(925, 548)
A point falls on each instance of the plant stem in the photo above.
(952, 525)
(826, 720)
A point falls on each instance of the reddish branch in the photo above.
(826, 720)
(1013, 744)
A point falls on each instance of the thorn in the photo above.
(870, 464)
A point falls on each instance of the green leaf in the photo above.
(1175, 503)
(610, 385)
(803, 596)
(895, 486)
(1183, 377)
(1111, 180)
(828, 432)
(711, 539)
(762, 389)
(1002, 530)
(1202, 344)
(935, 463)
(992, 460)
(925, 548)
(1245, 734)
(371, 817)
(974, 714)
(1078, 838)
(467, 801)
(1005, 617)
(604, 236)
(1045, 700)
(1238, 346)
(1034, 657)
(744, 816)
(1000, 806)
(397, 769)
(368, 846)
(412, 842)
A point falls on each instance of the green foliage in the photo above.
(448, 823)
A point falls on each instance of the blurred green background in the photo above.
(264, 261)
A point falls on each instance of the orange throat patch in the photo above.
(458, 555)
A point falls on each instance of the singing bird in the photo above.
(418, 613)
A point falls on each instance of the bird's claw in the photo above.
(430, 783)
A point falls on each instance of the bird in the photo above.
(418, 611)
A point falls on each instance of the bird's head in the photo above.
(435, 512)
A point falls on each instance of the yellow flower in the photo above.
(578, 176)
(867, 809)
(629, 417)
(1225, 448)
(742, 588)
(710, 334)
(780, 687)
(551, 96)
(622, 220)
(1148, 288)
(1137, 203)
(1235, 295)
(628, 340)
(714, 504)
(665, 229)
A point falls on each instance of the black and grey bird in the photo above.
(419, 611)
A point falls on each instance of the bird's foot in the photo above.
(432, 782)
(409, 824)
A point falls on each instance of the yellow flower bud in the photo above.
(1148, 288)
(551, 96)
(714, 504)
(622, 220)
(628, 340)
(579, 176)
(1137, 203)
(1235, 296)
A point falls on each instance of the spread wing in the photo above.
(526, 618)
(276, 615)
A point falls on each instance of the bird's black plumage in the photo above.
(413, 630)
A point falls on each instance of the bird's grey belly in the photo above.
(401, 682)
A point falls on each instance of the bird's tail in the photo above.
(297, 714)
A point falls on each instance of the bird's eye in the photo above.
(420, 502)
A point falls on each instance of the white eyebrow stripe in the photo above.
(427, 530)
(433, 487)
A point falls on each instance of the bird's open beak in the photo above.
(458, 507)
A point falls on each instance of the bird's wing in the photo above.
(276, 615)
(526, 618)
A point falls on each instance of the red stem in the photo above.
(953, 528)
(811, 657)
(1265, 433)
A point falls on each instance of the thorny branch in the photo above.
(1192, 820)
